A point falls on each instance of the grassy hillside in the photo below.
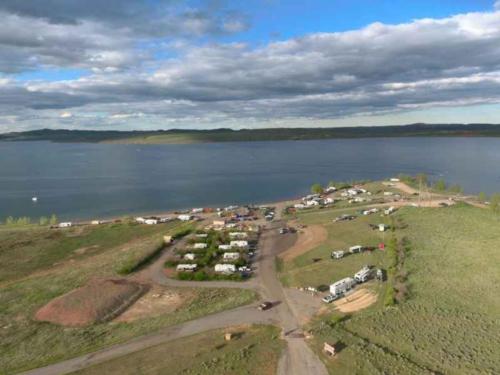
(24, 341)
(449, 321)
(256, 350)
(248, 135)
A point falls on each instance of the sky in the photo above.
(162, 64)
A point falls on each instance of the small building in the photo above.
(383, 227)
(299, 206)
(65, 224)
(394, 180)
(197, 210)
(225, 247)
(311, 203)
(388, 193)
(201, 235)
(239, 243)
(225, 268)
(151, 221)
(164, 219)
(231, 256)
(200, 245)
(328, 200)
(96, 222)
(185, 217)
(140, 220)
(189, 256)
(186, 267)
(330, 189)
(342, 286)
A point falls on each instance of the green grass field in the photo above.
(25, 250)
(449, 323)
(256, 350)
(26, 343)
(316, 267)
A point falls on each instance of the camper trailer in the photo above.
(342, 286)
(363, 275)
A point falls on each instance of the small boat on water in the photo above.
(34, 199)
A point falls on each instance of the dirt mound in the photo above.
(98, 301)
(308, 239)
(358, 300)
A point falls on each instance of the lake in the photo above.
(84, 180)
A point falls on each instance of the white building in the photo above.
(96, 222)
(197, 210)
(185, 217)
(239, 243)
(186, 267)
(328, 200)
(311, 203)
(65, 225)
(140, 220)
(330, 189)
(225, 268)
(394, 179)
(151, 221)
(189, 256)
(342, 286)
(225, 247)
(200, 245)
(383, 227)
(299, 206)
(202, 235)
(231, 256)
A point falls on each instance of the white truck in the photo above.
(342, 286)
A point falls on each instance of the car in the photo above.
(283, 230)
(330, 298)
(265, 306)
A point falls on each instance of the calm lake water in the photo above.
(81, 181)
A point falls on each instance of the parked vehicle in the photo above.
(265, 306)
(342, 286)
(338, 254)
(331, 297)
(363, 275)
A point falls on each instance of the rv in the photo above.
(356, 249)
(225, 268)
(363, 275)
(337, 254)
(186, 267)
(342, 286)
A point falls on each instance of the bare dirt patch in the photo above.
(356, 301)
(308, 238)
(155, 302)
(98, 301)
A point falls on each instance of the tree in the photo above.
(44, 221)
(440, 185)
(53, 220)
(482, 197)
(23, 220)
(317, 189)
(10, 221)
(495, 203)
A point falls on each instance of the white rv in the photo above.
(337, 254)
(363, 275)
(342, 286)
(225, 268)
(356, 249)
(186, 267)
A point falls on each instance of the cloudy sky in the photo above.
(159, 64)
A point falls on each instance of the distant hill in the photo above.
(271, 134)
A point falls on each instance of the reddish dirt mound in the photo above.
(98, 301)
